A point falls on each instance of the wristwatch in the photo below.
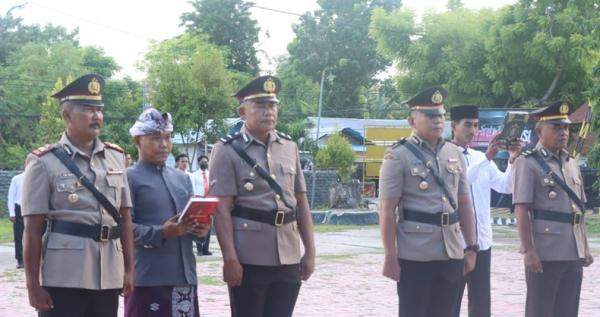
(473, 247)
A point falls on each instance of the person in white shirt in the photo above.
(14, 211)
(482, 176)
(201, 186)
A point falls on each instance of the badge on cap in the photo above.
(73, 198)
(437, 97)
(423, 185)
(564, 108)
(270, 86)
(552, 194)
(94, 86)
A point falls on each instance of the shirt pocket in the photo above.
(288, 172)
(546, 227)
(63, 241)
(115, 187)
(247, 226)
(412, 227)
(419, 171)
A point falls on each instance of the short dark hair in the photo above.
(201, 157)
(178, 157)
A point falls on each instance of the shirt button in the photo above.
(273, 176)
(437, 158)
(277, 197)
(418, 227)
(92, 163)
(444, 198)
(245, 225)
(574, 206)
(98, 188)
(269, 155)
(546, 229)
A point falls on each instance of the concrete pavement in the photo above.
(347, 281)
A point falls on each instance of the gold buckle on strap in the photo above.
(577, 218)
(279, 217)
(104, 230)
(445, 219)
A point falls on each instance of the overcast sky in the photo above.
(124, 28)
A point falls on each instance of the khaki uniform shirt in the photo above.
(400, 176)
(553, 241)
(258, 243)
(68, 260)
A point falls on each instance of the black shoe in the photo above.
(20, 265)
(207, 253)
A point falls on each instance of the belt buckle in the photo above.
(445, 218)
(104, 230)
(577, 217)
(279, 217)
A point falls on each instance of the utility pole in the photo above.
(314, 171)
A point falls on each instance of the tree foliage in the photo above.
(228, 24)
(335, 39)
(338, 155)
(529, 52)
(188, 77)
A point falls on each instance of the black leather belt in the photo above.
(442, 219)
(96, 232)
(557, 216)
(274, 217)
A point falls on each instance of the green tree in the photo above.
(338, 155)
(532, 51)
(228, 23)
(51, 125)
(335, 39)
(188, 77)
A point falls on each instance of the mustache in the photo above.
(95, 126)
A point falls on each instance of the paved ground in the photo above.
(347, 281)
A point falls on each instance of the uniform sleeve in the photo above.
(582, 185)
(35, 198)
(524, 182)
(463, 185)
(501, 182)
(391, 176)
(222, 180)
(299, 183)
(125, 193)
(148, 236)
(12, 197)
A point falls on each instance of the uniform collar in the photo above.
(248, 138)
(547, 154)
(421, 143)
(71, 149)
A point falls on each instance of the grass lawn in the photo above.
(324, 228)
(6, 231)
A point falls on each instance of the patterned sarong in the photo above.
(162, 301)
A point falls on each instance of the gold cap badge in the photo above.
(270, 86)
(564, 108)
(94, 86)
(437, 97)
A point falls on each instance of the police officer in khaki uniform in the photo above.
(85, 257)
(263, 211)
(549, 204)
(419, 215)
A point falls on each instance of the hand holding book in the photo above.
(200, 209)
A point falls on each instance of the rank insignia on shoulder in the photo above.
(398, 143)
(43, 150)
(528, 153)
(283, 135)
(229, 138)
(114, 147)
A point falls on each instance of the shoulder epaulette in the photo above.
(528, 153)
(283, 135)
(229, 138)
(43, 150)
(398, 143)
(113, 146)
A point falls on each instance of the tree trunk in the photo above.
(552, 86)
(345, 195)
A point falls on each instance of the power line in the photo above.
(276, 10)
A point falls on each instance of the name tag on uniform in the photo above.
(114, 172)
(452, 161)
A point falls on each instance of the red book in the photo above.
(200, 208)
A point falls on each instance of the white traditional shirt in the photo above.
(14, 193)
(482, 176)
(198, 182)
